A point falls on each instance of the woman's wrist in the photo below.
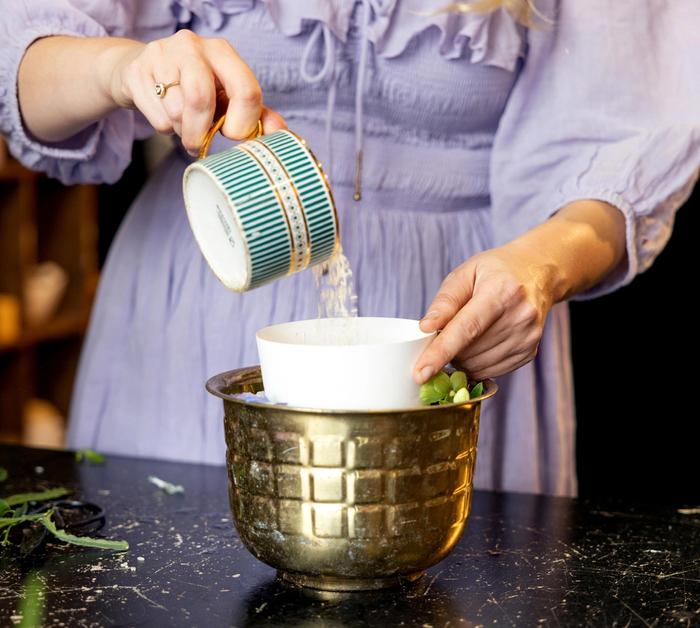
(111, 64)
(575, 249)
(541, 268)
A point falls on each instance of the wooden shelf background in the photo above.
(42, 220)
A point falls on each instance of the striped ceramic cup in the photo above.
(261, 210)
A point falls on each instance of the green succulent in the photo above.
(461, 396)
(458, 379)
(444, 389)
(435, 389)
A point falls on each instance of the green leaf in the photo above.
(458, 379)
(4, 507)
(46, 520)
(16, 519)
(441, 383)
(3, 474)
(84, 541)
(428, 394)
(461, 396)
(90, 455)
(31, 608)
(437, 388)
(23, 498)
(478, 390)
(7, 523)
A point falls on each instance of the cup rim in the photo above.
(197, 165)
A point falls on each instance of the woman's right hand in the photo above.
(209, 71)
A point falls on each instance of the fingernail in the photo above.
(426, 373)
(431, 316)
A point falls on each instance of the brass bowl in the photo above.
(347, 500)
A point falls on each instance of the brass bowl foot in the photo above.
(331, 583)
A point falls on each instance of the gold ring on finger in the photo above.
(162, 88)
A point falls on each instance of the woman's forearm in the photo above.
(576, 248)
(65, 83)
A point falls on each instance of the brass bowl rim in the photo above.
(217, 383)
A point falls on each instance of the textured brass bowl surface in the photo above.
(347, 500)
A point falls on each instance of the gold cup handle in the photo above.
(204, 150)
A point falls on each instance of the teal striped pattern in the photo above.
(313, 191)
(263, 218)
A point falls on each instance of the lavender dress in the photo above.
(473, 130)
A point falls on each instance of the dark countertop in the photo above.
(523, 560)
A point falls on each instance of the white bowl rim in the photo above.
(419, 334)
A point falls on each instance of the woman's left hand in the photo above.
(492, 311)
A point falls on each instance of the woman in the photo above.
(536, 164)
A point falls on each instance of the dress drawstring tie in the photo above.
(327, 72)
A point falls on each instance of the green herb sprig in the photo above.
(32, 602)
(90, 455)
(84, 541)
(11, 517)
(443, 389)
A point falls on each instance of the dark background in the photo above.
(636, 432)
(635, 354)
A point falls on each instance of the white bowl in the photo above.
(342, 363)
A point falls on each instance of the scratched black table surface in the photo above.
(523, 560)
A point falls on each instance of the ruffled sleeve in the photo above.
(102, 152)
(607, 107)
